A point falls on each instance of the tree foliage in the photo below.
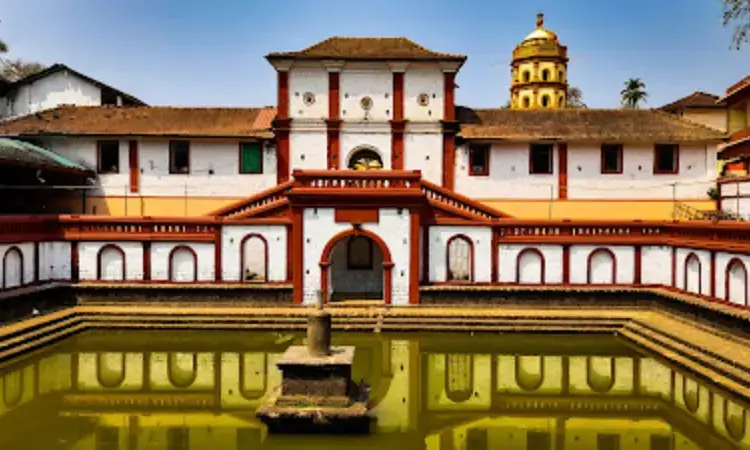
(634, 93)
(15, 69)
(574, 97)
(737, 12)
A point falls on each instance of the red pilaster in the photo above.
(36, 261)
(414, 258)
(566, 264)
(397, 124)
(495, 256)
(282, 128)
(218, 270)
(713, 274)
(674, 266)
(449, 130)
(426, 254)
(562, 172)
(297, 251)
(333, 123)
(135, 171)
(638, 255)
(147, 260)
(289, 254)
(74, 268)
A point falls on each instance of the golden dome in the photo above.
(540, 34)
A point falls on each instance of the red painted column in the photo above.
(674, 267)
(713, 274)
(74, 267)
(449, 130)
(218, 267)
(414, 257)
(562, 172)
(495, 256)
(289, 253)
(36, 261)
(135, 171)
(398, 124)
(333, 123)
(426, 255)
(297, 250)
(146, 260)
(281, 127)
(566, 264)
(638, 255)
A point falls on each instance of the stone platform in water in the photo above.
(316, 394)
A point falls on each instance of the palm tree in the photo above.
(634, 93)
(574, 97)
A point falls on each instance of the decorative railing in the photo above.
(435, 193)
(359, 179)
(268, 198)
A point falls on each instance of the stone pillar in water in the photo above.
(319, 330)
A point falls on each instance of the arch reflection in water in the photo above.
(199, 391)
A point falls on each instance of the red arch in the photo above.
(242, 255)
(5, 264)
(518, 262)
(448, 252)
(727, 272)
(170, 261)
(689, 257)
(99, 260)
(387, 260)
(591, 257)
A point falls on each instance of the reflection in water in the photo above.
(194, 391)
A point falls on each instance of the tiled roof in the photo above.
(19, 152)
(738, 90)
(144, 121)
(694, 100)
(624, 125)
(129, 99)
(368, 49)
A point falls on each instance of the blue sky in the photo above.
(196, 53)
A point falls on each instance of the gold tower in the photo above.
(539, 70)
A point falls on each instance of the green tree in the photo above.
(15, 69)
(634, 93)
(737, 12)
(574, 97)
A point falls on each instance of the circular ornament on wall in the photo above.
(308, 98)
(423, 99)
(366, 103)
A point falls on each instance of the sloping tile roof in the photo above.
(695, 100)
(624, 125)
(738, 90)
(19, 152)
(144, 121)
(368, 49)
(62, 67)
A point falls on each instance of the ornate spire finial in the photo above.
(539, 20)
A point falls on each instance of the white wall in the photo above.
(393, 228)
(49, 92)
(356, 84)
(17, 271)
(303, 80)
(54, 258)
(579, 264)
(423, 150)
(508, 262)
(656, 265)
(87, 259)
(308, 146)
(276, 239)
(214, 168)
(481, 238)
(509, 175)
(697, 170)
(423, 79)
(160, 260)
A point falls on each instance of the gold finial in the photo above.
(539, 20)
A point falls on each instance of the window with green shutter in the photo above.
(251, 158)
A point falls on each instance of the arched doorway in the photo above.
(254, 259)
(356, 264)
(365, 159)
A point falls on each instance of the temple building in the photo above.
(367, 180)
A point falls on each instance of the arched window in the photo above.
(693, 276)
(736, 282)
(254, 258)
(110, 264)
(526, 76)
(12, 268)
(561, 102)
(560, 76)
(545, 75)
(183, 264)
(526, 102)
(530, 267)
(602, 267)
(365, 159)
(545, 101)
(460, 259)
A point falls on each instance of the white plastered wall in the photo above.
(481, 238)
(579, 263)
(88, 259)
(508, 262)
(160, 260)
(276, 240)
(702, 276)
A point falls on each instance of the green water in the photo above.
(199, 390)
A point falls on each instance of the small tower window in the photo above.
(560, 76)
(545, 75)
(526, 76)
(526, 102)
(561, 103)
(545, 101)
